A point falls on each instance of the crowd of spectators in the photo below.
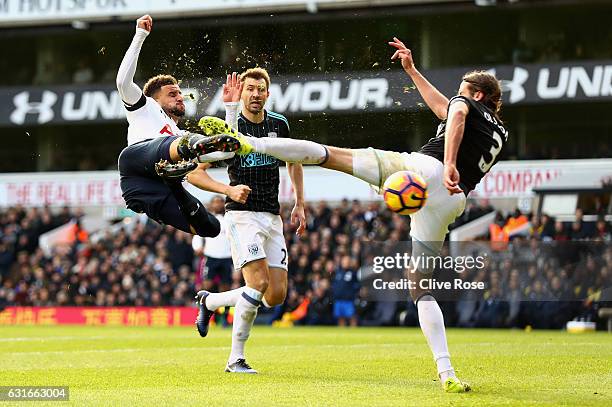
(145, 264)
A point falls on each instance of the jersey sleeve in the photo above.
(284, 130)
(130, 93)
(459, 99)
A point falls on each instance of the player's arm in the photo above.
(200, 178)
(232, 89)
(435, 100)
(130, 92)
(298, 214)
(455, 126)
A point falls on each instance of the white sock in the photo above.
(265, 303)
(223, 299)
(244, 316)
(432, 325)
(215, 156)
(290, 150)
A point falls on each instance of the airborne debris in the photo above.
(375, 64)
(102, 50)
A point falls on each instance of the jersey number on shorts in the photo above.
(284, 260)
(482, 164)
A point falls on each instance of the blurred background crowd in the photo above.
(143, 263)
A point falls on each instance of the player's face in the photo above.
(254, 94)
(466, 90)
(171, 100)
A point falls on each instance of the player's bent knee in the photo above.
(260, 284)
(276, 297)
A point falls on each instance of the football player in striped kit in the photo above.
(254, 226)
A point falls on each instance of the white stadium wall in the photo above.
(507, 180)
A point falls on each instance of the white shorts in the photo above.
(254, 236)
(430, 224)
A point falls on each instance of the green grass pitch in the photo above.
(306, 366)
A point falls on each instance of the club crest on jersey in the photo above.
(253, 249)
(272, 134)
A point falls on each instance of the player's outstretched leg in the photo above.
(285, 149)
(193, 145)
(365, 164)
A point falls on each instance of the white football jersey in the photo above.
(147, 120)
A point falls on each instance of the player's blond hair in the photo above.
(257, 74)
(488, 84)
(155, 83)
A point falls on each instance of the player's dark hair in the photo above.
(154, 84)
(257, 74)
(488, 84)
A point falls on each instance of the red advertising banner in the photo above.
(101, 316)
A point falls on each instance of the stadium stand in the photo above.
(132, 266)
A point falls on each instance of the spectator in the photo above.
(344, 290)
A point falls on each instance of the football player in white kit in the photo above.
(159, 155)
(467, 144)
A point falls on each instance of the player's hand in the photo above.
(232, 90)
(404, 54)
(451, 179)
(145, 22)
(239, 193)
(298, 214)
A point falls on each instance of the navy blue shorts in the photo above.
(219, 270)
(142, 189)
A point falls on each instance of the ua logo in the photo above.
(515, 85)
(23, 106)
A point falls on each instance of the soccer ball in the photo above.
(405, 192)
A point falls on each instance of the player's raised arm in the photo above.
(436, 101)
(130, 92)
(455, 127)
(232, 90)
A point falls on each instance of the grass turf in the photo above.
(306, 366)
